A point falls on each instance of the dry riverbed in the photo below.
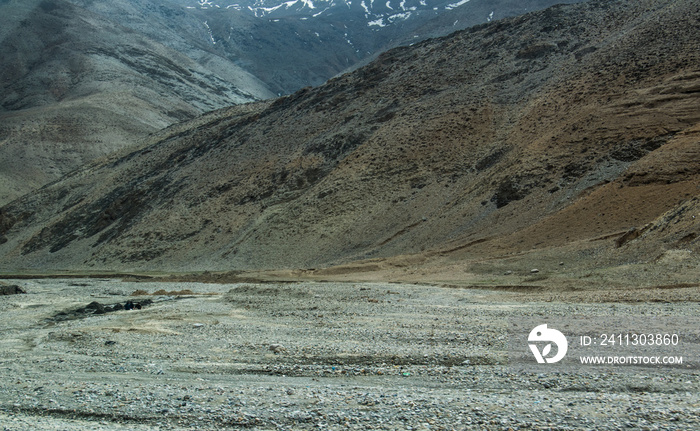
(91, 355)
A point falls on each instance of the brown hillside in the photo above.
(559, 131)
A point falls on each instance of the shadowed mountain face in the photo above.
(75, 86)
(561, 129)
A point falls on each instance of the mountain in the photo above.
(75, 86)
(571, 132)
(83, 78)
(293, 44)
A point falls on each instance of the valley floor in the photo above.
(325, 355)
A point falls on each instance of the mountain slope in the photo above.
(568, 126)
(81, 78)
(293, 44)
(75, 86)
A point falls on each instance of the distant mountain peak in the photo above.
(376, 13)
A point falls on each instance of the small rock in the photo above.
(534, 271)
(277, 348)
(95, 307)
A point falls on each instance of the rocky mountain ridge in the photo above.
(568, 132)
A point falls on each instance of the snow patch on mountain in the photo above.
(399, 16)
(456, 5)
(364, 6)
(377, 15)
(211, 35)
(377, 22)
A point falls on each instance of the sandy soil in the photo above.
(312, 355)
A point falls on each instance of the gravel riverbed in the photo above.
(313, 356)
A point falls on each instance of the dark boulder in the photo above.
(11, 290)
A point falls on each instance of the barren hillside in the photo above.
(75, 86)
(558, 131)
(82, 78)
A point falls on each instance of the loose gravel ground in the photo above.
(313, 356)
